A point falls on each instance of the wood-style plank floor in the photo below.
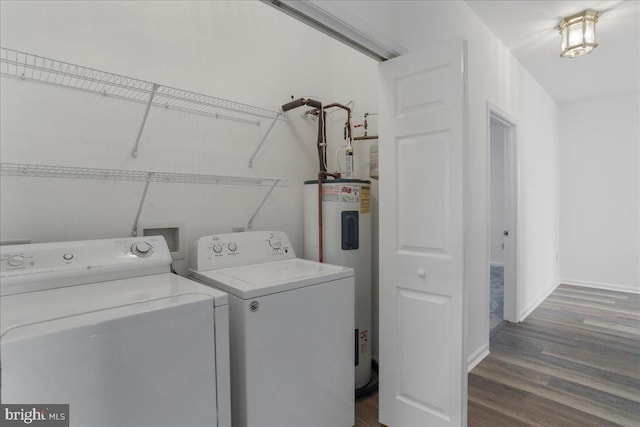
(575, 361)
(367, 411)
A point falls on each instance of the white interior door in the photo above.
(502, 128)
(422, 131)
(511, 216)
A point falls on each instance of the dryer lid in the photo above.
(35, 307)
(96, 321)
(255, 280)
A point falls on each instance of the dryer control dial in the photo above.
(232, 247)
(217, 248)
(141, 249)
(15, 260)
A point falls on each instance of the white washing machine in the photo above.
(291, 330)
(105, 327)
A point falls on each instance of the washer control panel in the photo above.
(232, 249)
(142, 249)
(40, 266)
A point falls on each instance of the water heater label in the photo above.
(365, 200)
(349, 193)
(330, 193)
(364, 342)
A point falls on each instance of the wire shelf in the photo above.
(46, 171)
(33, 67)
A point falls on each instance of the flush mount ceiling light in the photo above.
(578, 34)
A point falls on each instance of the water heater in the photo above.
(346, 231)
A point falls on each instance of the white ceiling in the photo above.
(528, 29)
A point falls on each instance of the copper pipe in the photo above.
(317, 105)
(360, 138)
(321, 112)
(344, 107)
(321, 175)
(322, 141)
(335, 104)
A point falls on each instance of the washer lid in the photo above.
(35, 307)
(256, 280)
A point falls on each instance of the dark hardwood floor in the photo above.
(575, 361)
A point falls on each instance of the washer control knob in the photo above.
(217, 248)
(68, 256)
(141, 249)
(275, 242)
(15, 260)
(232, 247)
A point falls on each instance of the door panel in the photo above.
(420, 91)
(422, 169)
(423, 308)
(422, 122)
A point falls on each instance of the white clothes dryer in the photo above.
(105, 327)
(291, 330)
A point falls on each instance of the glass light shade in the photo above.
(578, 34)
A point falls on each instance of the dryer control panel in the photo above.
(40, 266)
(233, 249)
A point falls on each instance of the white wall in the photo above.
(243, 51)
(495, 76)
(537, 141)
(497, 141)
(600, 192)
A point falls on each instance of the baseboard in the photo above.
(497, 264)
(477, 357)
(525, 313)
(605, 286)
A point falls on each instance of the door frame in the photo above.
(511, 212)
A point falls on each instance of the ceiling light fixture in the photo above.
(578, 34)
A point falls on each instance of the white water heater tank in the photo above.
(346, 231)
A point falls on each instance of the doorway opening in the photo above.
(502, 269)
